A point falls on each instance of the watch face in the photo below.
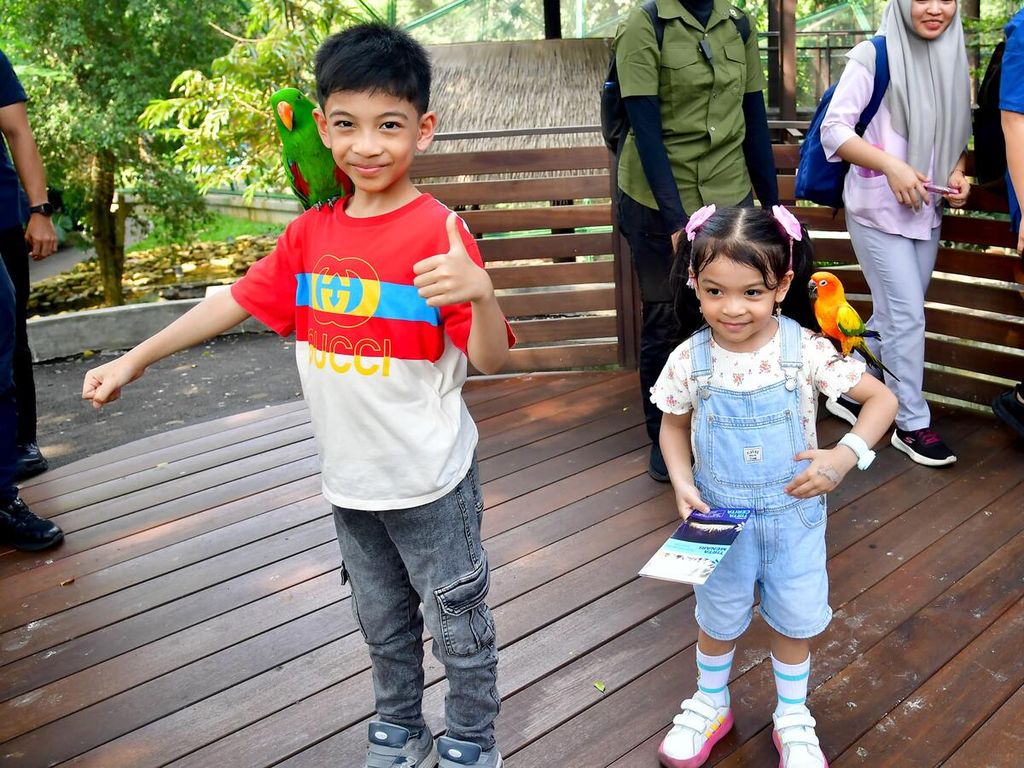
(44, 208)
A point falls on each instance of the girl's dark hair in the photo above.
(374, 58)
(752, 237)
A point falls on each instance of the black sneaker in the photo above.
(844, 408)
(21, 529)
(1008, 408)
(924, 446)
(31, 462)
(656, 465)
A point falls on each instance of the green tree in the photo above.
(220, 120)
(90, 67)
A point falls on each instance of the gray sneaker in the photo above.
(392, 746)
(454, 753)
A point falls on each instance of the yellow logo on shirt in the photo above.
(347, 290)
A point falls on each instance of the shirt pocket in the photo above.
(686, 78)
(731, 74)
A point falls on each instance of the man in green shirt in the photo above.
(699, 135)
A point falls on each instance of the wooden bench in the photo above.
(546, 228)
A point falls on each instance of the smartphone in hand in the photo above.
(936, 189)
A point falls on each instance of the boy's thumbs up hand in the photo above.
(452, 277)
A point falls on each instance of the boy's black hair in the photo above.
(752, 237)
(374, 58)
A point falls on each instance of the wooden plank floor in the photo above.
(194, 615)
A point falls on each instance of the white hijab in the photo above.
(929, 95)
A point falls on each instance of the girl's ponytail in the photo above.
(797, 304)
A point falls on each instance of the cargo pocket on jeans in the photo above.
(343, 575)
(466, 622)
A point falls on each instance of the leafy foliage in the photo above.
(89, 68)
(221, 121)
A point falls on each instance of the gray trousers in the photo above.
(898, 271)
(395, 559)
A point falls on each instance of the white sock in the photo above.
(713, 676)
(791, 684)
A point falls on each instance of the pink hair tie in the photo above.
(790, 228)
(698, 220)
(693, 226)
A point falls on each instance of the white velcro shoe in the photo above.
(796, 741)
(694, 732)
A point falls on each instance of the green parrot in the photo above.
(314, 176)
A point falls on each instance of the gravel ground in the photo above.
(227, 375)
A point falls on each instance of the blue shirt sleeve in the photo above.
(11, 91)
(1011, 77)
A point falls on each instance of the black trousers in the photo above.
(14, 250)
(661, 329)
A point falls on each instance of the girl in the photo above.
(739, 399)
(918, 135)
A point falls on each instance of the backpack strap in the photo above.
(742, 22)
(880, 85)
(651, 7)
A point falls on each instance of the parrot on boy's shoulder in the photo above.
(315, 178)
(839, 320)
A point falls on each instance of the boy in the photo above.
(383, 329)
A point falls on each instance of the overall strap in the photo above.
(700, 360)
(791, 349)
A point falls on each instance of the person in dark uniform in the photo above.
(699, 135)
(19, 527)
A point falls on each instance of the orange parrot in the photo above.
(840, 321)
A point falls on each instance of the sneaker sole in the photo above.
(701, 757)
(899, 445)
(840, 411)
(36, 547)
(778, 746)
(28, 471)
(657, 475)
(1004, 413)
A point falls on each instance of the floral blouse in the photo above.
(824, 370)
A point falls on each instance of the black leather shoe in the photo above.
(21, 529)
(656, 465)
(31, 462)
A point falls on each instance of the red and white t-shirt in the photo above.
(382, 371)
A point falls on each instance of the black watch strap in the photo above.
(44, 208)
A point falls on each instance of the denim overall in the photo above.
(745, 443)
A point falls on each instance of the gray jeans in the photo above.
(395, 559)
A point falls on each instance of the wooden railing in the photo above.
(974, 306)
(548, 243)
(565, 281)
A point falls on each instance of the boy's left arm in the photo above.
(454, 278)
(829, 466)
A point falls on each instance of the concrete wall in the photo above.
(110, 328)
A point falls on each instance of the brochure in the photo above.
(698, 545)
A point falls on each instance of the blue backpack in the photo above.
(817, 179)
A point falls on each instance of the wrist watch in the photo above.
(860, 448)
(44, 209)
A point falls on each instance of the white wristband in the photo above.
(860, 448)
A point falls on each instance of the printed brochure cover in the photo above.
(698, 545)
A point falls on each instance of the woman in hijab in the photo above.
(915, 143)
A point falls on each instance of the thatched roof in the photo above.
(517, 84)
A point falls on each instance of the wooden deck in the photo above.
(194, 615)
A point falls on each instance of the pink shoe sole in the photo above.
(778, 746)
(701, 757)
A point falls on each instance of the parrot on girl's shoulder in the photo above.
(311, 170)
(840, 321)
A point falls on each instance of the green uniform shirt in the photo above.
(701, 103)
